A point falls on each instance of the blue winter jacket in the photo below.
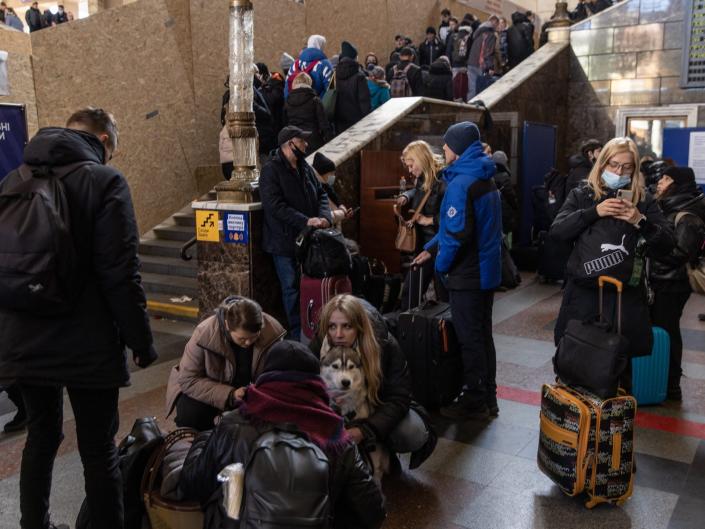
(469, 238)
(321, 72)
(379, 95)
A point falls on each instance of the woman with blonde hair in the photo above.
(614, 225)
(352, 322)
(425, 167)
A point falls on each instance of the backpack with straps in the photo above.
(286, 483)
(38, 261)
(292, 75)
(400, 86)
(461, 48)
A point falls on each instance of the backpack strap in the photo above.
(27, 172)
(680, 215)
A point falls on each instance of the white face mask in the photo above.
(615, 181)
(331, 179)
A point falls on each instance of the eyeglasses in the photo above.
(626, 168)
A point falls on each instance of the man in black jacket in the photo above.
(33, 17)
(520, 39)
(353, 94)
(581, 164)
(82, 350)
(413, 74)
(292, 198)
(431, 48)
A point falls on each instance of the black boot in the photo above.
(465, 407)
(18, 422)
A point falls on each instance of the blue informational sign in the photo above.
(538, 157)
(13, 137)
(235, 229)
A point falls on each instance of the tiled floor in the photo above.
(482, 475)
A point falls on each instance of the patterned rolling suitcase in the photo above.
(587, 444)
(650, 373)
(315, 293)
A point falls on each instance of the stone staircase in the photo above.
(171, 283)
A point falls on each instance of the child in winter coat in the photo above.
(379, 87)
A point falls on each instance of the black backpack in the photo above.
(38, 262)
(286, 483)
(461, 47)
(323, 253)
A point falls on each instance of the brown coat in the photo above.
(208, 363)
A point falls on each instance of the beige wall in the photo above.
(129, 62)
(19, 72)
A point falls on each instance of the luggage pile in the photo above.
(586, 442)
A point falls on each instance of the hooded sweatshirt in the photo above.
(469, 238)
(484, 41)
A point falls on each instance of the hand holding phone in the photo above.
(625, 194)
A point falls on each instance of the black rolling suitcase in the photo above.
(428, 339)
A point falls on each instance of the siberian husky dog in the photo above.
(343, 373)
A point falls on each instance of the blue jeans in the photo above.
(474, 74)
(472, 320)
(288, 273)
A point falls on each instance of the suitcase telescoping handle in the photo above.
(619, 286)
(411, 271)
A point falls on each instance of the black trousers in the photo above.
(192, 413)
(14, 394)
(472, 321)
(666, 313)
(96, 415)
(410, 289)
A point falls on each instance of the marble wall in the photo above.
(129, 62)
(629, 55)
(19, 73)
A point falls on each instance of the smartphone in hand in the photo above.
(625, 194)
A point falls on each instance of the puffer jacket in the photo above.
(606, 246)
(440, 82)
(304, 109)
(208, 363)
(355, 499)
(353, 99)
(85, 347)
(669, 271)
(395, 390)
(469, 238)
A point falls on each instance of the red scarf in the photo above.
(298, 398)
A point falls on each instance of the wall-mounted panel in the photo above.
(638, 38)
(613, 66)
(635, 92)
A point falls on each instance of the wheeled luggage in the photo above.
(650, 373)
(586, 444)
(427, 337)
(314, 294)
(590, 354)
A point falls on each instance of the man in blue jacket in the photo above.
(468, 249)
(292, 198)
(314, 62)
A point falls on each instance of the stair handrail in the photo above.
(185, 248)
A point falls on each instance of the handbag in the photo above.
(406, 236)
(330, 98)
(590, 354)
(164, 513)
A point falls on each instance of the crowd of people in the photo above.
(452, 63)
(34, 17)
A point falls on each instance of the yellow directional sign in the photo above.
(207, 225)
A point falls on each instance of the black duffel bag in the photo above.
(323, 253)
(590, 354)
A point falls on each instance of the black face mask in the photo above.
(300, 155)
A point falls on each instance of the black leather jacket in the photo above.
(431, 208)
(356, 500)
(688, 234)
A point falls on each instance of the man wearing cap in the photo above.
(292, 198)
(431, 48)
(469, 261)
